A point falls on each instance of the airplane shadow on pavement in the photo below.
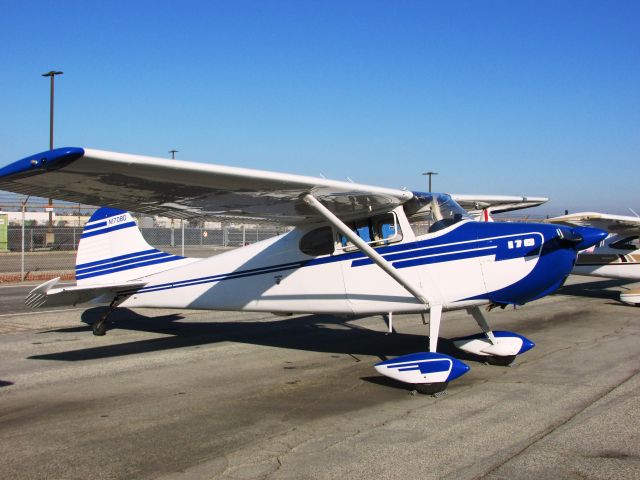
(317, 333)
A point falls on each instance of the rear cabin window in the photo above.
(318, 242)
(376, 231)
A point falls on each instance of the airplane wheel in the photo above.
(501, 361)
(430, 388)
(100, 328)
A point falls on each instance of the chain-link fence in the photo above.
(205, 239)
(39, 242)
(28, 255)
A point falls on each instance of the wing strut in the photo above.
(365, 248)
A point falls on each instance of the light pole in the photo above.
(430, 174)
(173, 157)
(51, 74)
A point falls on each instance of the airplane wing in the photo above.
(45, 295)
(189, 190)
(478, 205)
(619, 224)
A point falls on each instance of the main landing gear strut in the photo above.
(100, 327)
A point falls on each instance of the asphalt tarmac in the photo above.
(177, 394)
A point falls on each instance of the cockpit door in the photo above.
(369, 288)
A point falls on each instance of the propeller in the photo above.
(580, 238)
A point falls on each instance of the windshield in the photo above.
(433, 212)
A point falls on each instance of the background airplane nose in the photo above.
(590, 236)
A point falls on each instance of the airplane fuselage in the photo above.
(463, 265)
(615, 257)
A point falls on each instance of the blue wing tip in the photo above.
(40, 162)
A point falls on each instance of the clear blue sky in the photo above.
(504, 97)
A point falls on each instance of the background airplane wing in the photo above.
(620, 224)
(479, 205)
(189, 190)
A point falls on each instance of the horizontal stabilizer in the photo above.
(46, 296)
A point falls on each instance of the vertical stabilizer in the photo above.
(112, 249)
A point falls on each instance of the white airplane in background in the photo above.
(617, 256)
(354, 250)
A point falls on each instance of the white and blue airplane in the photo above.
(354, 250)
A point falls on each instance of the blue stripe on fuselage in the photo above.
(121, 263)
(129, 266)
(131, 263)
(115, 259)
(94, 226)
(504, 247)
(220, 277)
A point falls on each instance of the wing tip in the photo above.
(39, 162)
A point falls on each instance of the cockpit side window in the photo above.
(628, 243)
(376, 231)
(428, 213)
